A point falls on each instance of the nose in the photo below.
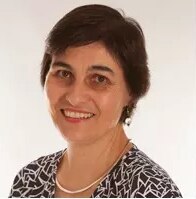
(77, 94)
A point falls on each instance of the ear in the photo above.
(132, 101)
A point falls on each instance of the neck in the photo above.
(94, 158)
(91, 152)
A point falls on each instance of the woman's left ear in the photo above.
(132, 102)
(131, 99)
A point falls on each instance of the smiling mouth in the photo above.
(76, 115)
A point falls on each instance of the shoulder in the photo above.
(147, 178)
(27, 178)
(43, 162)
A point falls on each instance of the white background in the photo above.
(164, 123)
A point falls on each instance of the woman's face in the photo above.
(86, 92)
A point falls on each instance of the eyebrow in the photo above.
(61, 64)
(91, 68)
(101, 68)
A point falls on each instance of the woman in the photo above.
(94, 71)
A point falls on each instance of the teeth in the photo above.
(77, 115)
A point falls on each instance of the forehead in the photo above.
(88, 55)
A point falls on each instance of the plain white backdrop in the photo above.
(164, 124)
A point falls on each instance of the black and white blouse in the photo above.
(135, 175)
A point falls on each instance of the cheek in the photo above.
(111, 107)
(52, 94)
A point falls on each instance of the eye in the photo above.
(100, 79)
(63, 74)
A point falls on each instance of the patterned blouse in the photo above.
(135, 175)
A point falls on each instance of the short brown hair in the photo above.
(122, 37)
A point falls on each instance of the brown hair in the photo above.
(122, 36)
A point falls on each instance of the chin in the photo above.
(78, 137)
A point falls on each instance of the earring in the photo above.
(128, 119)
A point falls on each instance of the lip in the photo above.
(76, 110)
(74, 120)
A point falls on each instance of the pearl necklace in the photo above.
(93, 183)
